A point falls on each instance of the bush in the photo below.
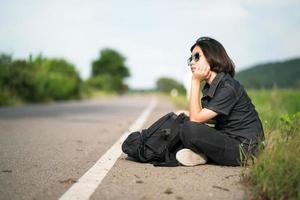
(6, 98)
(17, 78)
(37, 80)
(57, 79)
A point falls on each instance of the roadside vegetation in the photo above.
(275, 173)
(42, 79)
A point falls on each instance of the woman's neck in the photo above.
(211, 78)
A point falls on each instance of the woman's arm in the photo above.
(196, 112)
(194, 106)
(210, 121)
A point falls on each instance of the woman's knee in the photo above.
(190, 131)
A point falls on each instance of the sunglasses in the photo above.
(194, 57)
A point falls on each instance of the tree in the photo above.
(109, 71)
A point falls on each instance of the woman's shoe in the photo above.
(187, 157)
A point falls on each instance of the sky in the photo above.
(154, 36)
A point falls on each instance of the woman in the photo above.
(238, 130)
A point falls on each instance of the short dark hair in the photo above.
(216, 55)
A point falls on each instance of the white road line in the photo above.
(88, 183)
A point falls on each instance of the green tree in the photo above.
(109, 71)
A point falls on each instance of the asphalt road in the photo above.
(44, 149)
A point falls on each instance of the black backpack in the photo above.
(157, 144)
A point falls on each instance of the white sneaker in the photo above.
(189, 158)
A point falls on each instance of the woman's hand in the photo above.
(202, 73)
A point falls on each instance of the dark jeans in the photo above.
(217, 146)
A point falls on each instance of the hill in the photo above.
(285, 74)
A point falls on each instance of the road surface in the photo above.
(46, 148)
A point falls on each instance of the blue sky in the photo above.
(155, 36)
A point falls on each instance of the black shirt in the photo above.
(237, 116)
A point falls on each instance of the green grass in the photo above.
(275, 173)
(272, 104)
(180, 101)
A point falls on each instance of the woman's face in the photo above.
(198, 62)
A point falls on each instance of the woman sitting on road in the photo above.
(238, 130)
